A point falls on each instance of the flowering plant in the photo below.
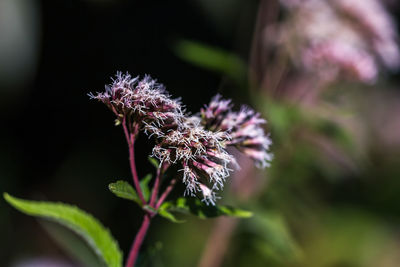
(198, 144)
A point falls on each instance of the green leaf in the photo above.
(234, 212)
(144, 185)
(84, 224)
(196, 207)
(72, 244)
(163, 212)
(124, 190)
(154, 162)
(271, 236)
(212, 58)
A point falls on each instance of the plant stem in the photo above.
(156, 186)
(133, 254)
(166, 193)
(133, 168)
(130, 134)
(130, 138)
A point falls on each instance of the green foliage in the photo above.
(144, 186)
(271, 237)
(281, 117)
(212, 58)
(196, 207)
(163, 212)
(84, 224)
(72, 244)
(193, 206)
(124, 190)
(154, 162)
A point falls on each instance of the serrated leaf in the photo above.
(154, 162)
(196, 207)
(84, 224)
(144, 185)
(124, 190)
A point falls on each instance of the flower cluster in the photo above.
(339, 37)
(244, 128)
(201, 153)
(141, 102)
(197, 143)
(334, 58)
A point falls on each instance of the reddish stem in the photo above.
(133, 254)
(166, 193)
(133, 169)
(130, 138)
(126, 132)
(130, 134)
(153, 198)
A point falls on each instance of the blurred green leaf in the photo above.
(334, 131)
(196, 207)
(271, 236)
(211, 58)
(168, 215)
(282, 117)
(72, 244)
(144, 185)
(124, 190)
(154, 162)
(84, 224)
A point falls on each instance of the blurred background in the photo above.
(325, 74)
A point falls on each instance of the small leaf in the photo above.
(234, 212)
(154, 162)
(82, 223)
(163, 212)
(167, 215)
(124, 190)
(196, 207)
(144, 185)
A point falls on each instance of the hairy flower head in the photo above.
(201, 154)
(197, 144)
(244, 127)
(141, 101)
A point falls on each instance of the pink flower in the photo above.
(142, 102)
(244, 127)
(197, 144)
(339, 38)
(201, 153)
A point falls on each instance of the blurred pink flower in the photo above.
(339, 38)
